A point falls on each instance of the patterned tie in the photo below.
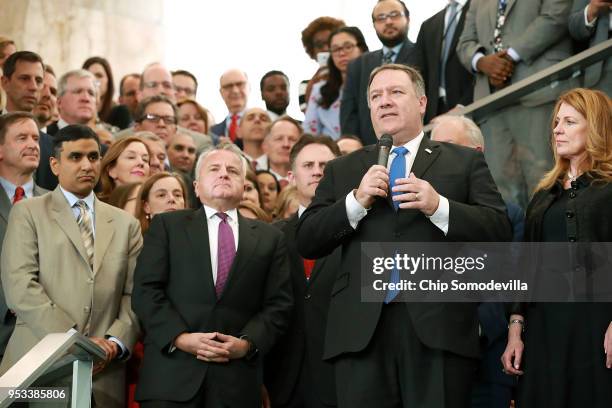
(226, 252)
(233, 128)
(388, 57)
(87, 236)
(19, 194)
(397, 170)
(448, 40)
(499, 25)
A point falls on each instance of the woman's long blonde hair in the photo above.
(596, 107)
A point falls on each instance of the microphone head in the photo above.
(385, 141)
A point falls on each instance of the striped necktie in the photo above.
(84, 222)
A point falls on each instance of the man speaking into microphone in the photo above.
(394, 353)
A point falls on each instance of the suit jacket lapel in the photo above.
(62, 214)
(458, 31)
(5, 205)
(197, 230)
(103, 235)
(294, 255)
(509, 6)
(428, 152)
(247, 241)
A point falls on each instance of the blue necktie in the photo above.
(398, 169)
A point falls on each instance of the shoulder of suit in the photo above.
(264, 227)
(117, 213)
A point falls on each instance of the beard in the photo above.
(391, 42)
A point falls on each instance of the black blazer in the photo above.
(459, 81)
(174, 293)
(477, 213)
(301, 349)
(354, 110)
(44, 176)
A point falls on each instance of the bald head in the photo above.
(234, 88)
(457, 130)
(157, 80)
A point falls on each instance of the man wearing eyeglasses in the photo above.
(157, 114)
(391, 19)
(234, 88)
(185, 84)
(76, 100)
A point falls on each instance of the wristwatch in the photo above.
(252, 351)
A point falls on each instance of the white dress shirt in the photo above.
(213, 233)
(356, 212)
(10, 188)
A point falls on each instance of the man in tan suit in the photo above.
(68, 262)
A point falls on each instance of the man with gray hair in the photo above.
(458, 130)
(212, 290)
(390, 351)
(76, 101)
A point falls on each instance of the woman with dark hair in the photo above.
(323, 111)
(269, 188)
(108, 111)
(126, 197)
(562, 363)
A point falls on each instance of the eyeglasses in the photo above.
(346, 47)
(168, 120)
(154, 84)
(394, 15)
(187, 91)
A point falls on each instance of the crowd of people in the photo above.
(219, 264)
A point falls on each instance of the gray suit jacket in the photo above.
(535, 29)
(7, 319)
(600, 33)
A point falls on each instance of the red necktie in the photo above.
(233, 128)
(308, 265)
(19, 195)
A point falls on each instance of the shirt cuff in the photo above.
(124, 351)
(440, 217)
(354, 211)
(586, 18)
(514, 55)
(475, 60)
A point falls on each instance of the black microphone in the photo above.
(384, 147)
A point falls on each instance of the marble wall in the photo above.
(66, 32)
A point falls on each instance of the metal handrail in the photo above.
(546, 77)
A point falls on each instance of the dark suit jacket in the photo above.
(219, 129)
(477, 213)
(459, 81)
(174, 293)
(7, 319)
(301, 349)
(44, 176)
(354, 111)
